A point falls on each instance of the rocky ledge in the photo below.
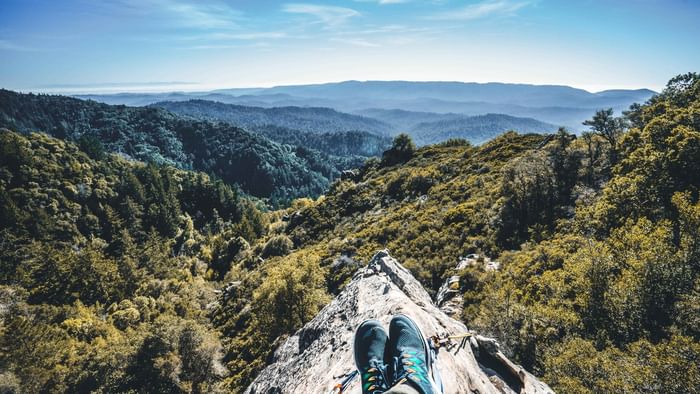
(311, 360)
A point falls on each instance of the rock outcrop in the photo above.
(311, 360)
(449, 297)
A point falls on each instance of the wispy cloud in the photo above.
(356, 42)
(328, 15)
(387, 35)
(114, 87)
(7, 45)
(251, 35)
(384, 1)
(113, 84)
(209, 15)
(234, 45)
(483, 9)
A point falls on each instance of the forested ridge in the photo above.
(475, 129)
(345, 137)
(305, 119)
(108, 267)
(120, 276)
(260, 166)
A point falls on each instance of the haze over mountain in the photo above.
(559, 105)
(307, 119)
(280, 123)
(507, 93)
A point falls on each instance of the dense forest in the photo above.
(258, 165)
(108, 268)
(339, 135)
(323, 128)
(123, 276)
(475, 129)
(306, 119)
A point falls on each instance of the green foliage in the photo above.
(444, 201)
(305, 120)
(400, 152)
(609, 127)
(265, 304)
(278, 245)
(104, 270)
(597, 238)
(537, 190)
(290, 295)
(117, 276)
(605, 304)
(92, 146)
(258, 165)
(576, 366)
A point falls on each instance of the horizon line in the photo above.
(150, 87)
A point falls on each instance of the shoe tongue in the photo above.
(399, 368)
(381, 367)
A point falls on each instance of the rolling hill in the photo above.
(307, 119)
(260, 166)
(475, 129)
(424, 127)
(559, 105)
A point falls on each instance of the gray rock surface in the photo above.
(449, 297)
(311, 359)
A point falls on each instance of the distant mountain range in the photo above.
(559, 105)
(281, 123)
(504, 93)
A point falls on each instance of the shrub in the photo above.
(278, 245)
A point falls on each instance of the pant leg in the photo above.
(402, 389)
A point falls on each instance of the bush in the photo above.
(400, 152)
(291, 294)
(278, 245)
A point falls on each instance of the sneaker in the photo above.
(370, 342)
(410, 355)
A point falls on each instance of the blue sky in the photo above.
(143, 45)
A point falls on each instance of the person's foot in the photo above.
(410, 355)
(369, 346)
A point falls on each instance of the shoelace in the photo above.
(409, 367)
(374, 378)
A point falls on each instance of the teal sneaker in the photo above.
(410, 356)
(369, 347)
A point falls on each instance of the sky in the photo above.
(163, 45)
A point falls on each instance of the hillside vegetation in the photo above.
(109, 268)
(120, 276)
(260, 166)
(349, 138)
(306, 119)
(475, 129)
(597, 238)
